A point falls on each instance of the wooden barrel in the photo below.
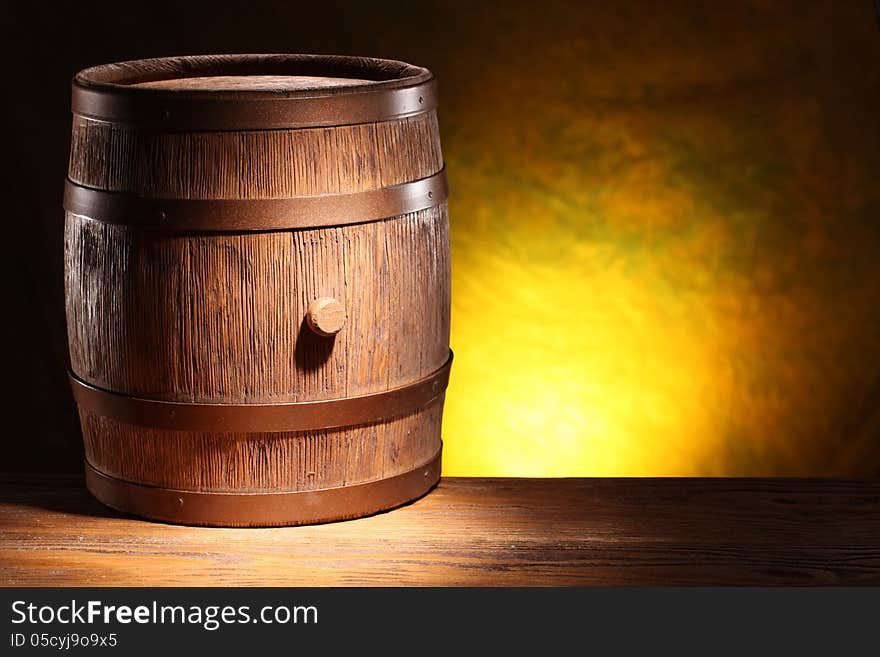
(257, 286)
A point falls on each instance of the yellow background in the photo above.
(666, 252)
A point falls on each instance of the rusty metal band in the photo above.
(169, 112)
(244, 418)
(242, 215)
(263, 509)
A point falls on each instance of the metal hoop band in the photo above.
(244, 418)
(246, 215)
(262, 509)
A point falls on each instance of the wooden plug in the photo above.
(326, 316)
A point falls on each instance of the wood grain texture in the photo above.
(472, 532)
(221, 317)
(255, 163)
(261, 462)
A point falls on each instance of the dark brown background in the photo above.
(721, 157)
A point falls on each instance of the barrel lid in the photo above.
(243, 92)
(281, 83)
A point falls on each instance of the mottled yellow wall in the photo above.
(666, 238)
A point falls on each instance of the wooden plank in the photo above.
(470, 532)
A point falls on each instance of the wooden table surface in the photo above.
(470, 532)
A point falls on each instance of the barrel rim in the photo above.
(394, 89)
(120, 76)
